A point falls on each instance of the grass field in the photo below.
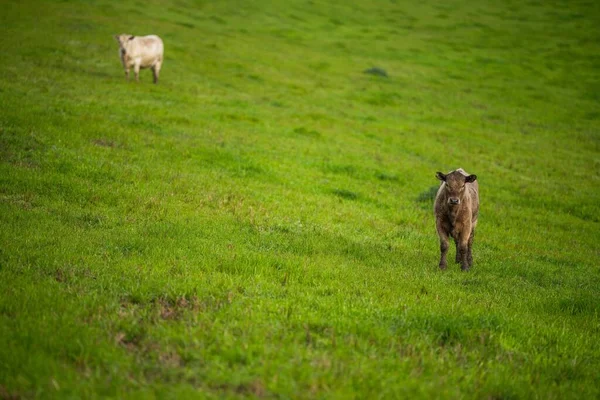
(259, 224)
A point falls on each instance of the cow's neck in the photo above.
(453, 213)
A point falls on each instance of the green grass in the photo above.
(260, 223)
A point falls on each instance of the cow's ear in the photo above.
(131, 37)
(440, 176)
(471, 178)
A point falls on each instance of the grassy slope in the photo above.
(259, 224)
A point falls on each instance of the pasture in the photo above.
(259, 224)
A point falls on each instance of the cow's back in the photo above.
(149, 48)
(152, 44)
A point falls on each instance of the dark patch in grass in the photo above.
(377, 72)
(133, 246)
(6, 394)
(25, 201)
(69, 274)
(316, 116)
(383, 99)
(255, 388)
(283, 228)
(557, 261)
(172, 309)
(170, 359)
(341, 45)
(427, 197)
(319, 335)
(487, 61)
(470, 25)
(297, 18)
(471, 282)
(448, 330)
(450, 335)
(345, 194)
(105, 143)
(567, 371)
(456, 76)
(131, 337)
(578, 306)
(302, 131)
(321, 66)
(494, 118)
(255, 78)
(240, 117)
(535, 276)
(246, 170)
(592, 92)
(61, 276)
(218, 20)
(179, 120)
(186, 25)
(505, 393)
(369, 119)
(383, 176)
(154, 309)
(349, 170)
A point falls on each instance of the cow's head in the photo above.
(123, 38)
(455, 185)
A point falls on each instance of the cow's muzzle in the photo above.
(453, 201)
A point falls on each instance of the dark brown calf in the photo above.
(456, 208)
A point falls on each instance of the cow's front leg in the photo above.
(443, 252)
(127, 74)
(442, 233)
(136, 70)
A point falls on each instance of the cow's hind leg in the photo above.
(463, 246)
(442, 233)
(156, 70)
(470, 249)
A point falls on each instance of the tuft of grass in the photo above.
(345, 194)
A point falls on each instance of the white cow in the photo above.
(140, 52)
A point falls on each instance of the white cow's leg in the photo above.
(136, 70)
